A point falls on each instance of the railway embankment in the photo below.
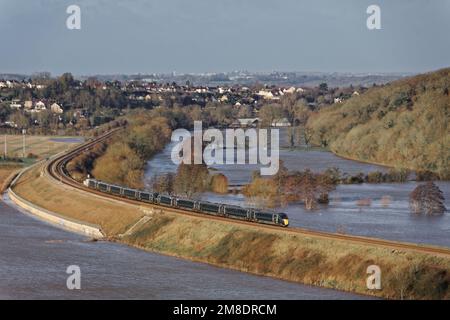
(76, 226)
(330, 263)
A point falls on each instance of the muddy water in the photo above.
(34, 257)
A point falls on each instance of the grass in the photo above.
(6, 172)
(114, 218)
(315, 261)
(41, 146)
(333, 264)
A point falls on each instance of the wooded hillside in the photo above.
(402, 124)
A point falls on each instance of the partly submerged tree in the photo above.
(428, 199)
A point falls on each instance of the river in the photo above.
(34, 257)
(374, 210)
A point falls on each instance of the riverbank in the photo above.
(309, 260)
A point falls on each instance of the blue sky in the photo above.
(124, 36)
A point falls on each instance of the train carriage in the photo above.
(264, 216)
(186, 204)
(209, 208)
(238, 212)
(90, 183)
(130, 193)
(232, 212)
(115, 190)
(165, 200)
(102, 187)
(146, 197)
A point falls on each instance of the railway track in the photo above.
(55, 168)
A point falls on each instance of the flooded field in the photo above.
(34, 257)
(375, 210)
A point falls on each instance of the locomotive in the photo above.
(203, 207)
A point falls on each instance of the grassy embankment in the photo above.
(316, 261)
(7, 173)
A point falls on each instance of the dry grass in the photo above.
(334, 264)
(6, 173)
(114, 218)
(40, 146)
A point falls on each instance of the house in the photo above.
(283, 122)
(291, 90)
(338, 100)
(246, 123)
(268, 95)
(11, 124)
(28, 104)
(56, 108)
(39, 106)
(356, 93)
(223, 98)
(15, 104)
(3, 84)
(265, 94)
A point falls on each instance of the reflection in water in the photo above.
(34, 257)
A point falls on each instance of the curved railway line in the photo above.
(55, 168)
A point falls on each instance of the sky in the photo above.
(200, 36)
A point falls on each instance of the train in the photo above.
(203, 207)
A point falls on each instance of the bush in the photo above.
(219, 184)
(397, 175)
(428, 199)
(425, 175)
(375, 177)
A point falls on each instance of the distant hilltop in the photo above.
(306, 79)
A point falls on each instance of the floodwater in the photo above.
(296, 158)
(374, 210)
(68, 140)
(34, 257)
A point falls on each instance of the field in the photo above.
(310, 260)
(40, 146)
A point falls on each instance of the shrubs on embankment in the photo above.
(123, 162)
(334, 264)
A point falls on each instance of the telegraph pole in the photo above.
(23, 134)
(6, 149)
